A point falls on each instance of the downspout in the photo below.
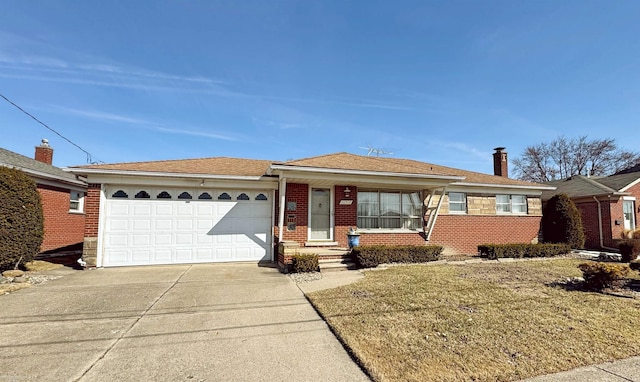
(282, 189)
(600, 226)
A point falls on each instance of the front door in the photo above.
(628, 209)
(320, 227)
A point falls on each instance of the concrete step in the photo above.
(339, 264)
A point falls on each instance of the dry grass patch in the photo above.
(40, 266)
(478, 322)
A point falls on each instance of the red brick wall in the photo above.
(298, 193)
(463, 233)
(590, 219)
(61, 228)
(92, 210)
(616, 213)
(345, 215)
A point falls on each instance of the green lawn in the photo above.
(478, 322)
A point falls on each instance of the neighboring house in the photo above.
(62, 195)
(228, 209)
(607, 204)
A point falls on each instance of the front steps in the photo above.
(330, 257)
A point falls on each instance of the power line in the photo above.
(89, 159)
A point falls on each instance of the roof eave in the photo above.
(93, 171)
(499, 185)
(274, 168)
(47, 176)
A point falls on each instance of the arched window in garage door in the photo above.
(143, 195)
(120, 194)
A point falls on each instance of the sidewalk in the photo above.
(617, 371)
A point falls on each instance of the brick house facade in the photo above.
(64, 219)
(607, 205)
(313, 202)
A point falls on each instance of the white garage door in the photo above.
(174, 226)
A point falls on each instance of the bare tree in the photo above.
(565, 157)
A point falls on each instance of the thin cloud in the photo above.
(102, 116)
(194, 133)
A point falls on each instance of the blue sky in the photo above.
(443, 82)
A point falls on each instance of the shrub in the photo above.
(630, 234)
(598, 276)
(371, 256)
(305, 263)
(629, 249)
(561, 222)
(635, 264)
(496, 251)
(21, 218)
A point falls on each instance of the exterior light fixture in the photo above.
(347, 191)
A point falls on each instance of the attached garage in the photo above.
(146, 225)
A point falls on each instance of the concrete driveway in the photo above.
(214, 322)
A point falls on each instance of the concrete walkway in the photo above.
(235, 322)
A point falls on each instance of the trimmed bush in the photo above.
(598, 276)
(629, 249)
(305, 263)
(21, 218)
(518, 251)
(370, 256)
(561, 222)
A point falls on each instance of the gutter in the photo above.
(87, 171)
(273, 168)
(51, 177)
(600, 226)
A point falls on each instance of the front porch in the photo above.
(330, 258)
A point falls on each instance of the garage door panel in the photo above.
(119, 210)
(141, 256)
(162, 239)
(161, 256)
(184, 254)
(116, 240)
(169, 231)
(163, 209)
(118, 225)
(141, 210)
(223, 254)
(163, 224)
(184, 210)
(183, 224)
(184, 239)
(141, 240)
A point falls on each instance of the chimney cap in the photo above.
(499, 149)
(45, 142)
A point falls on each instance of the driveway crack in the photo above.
(134, 323)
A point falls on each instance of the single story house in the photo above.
(230, 209)
(607, 204)
(61, 193)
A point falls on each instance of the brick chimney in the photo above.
(500, 167)
(44, 152)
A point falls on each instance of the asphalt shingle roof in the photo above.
(346, 161)
(579, 186)
(204, 166)
(11, 159)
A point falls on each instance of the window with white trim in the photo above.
(511, 204)
(76, 201)
(389, 210)
(457, 202)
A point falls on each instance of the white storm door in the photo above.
(320, 227)
(628, 209)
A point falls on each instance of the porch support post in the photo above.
(282, 189)
(434, 216)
